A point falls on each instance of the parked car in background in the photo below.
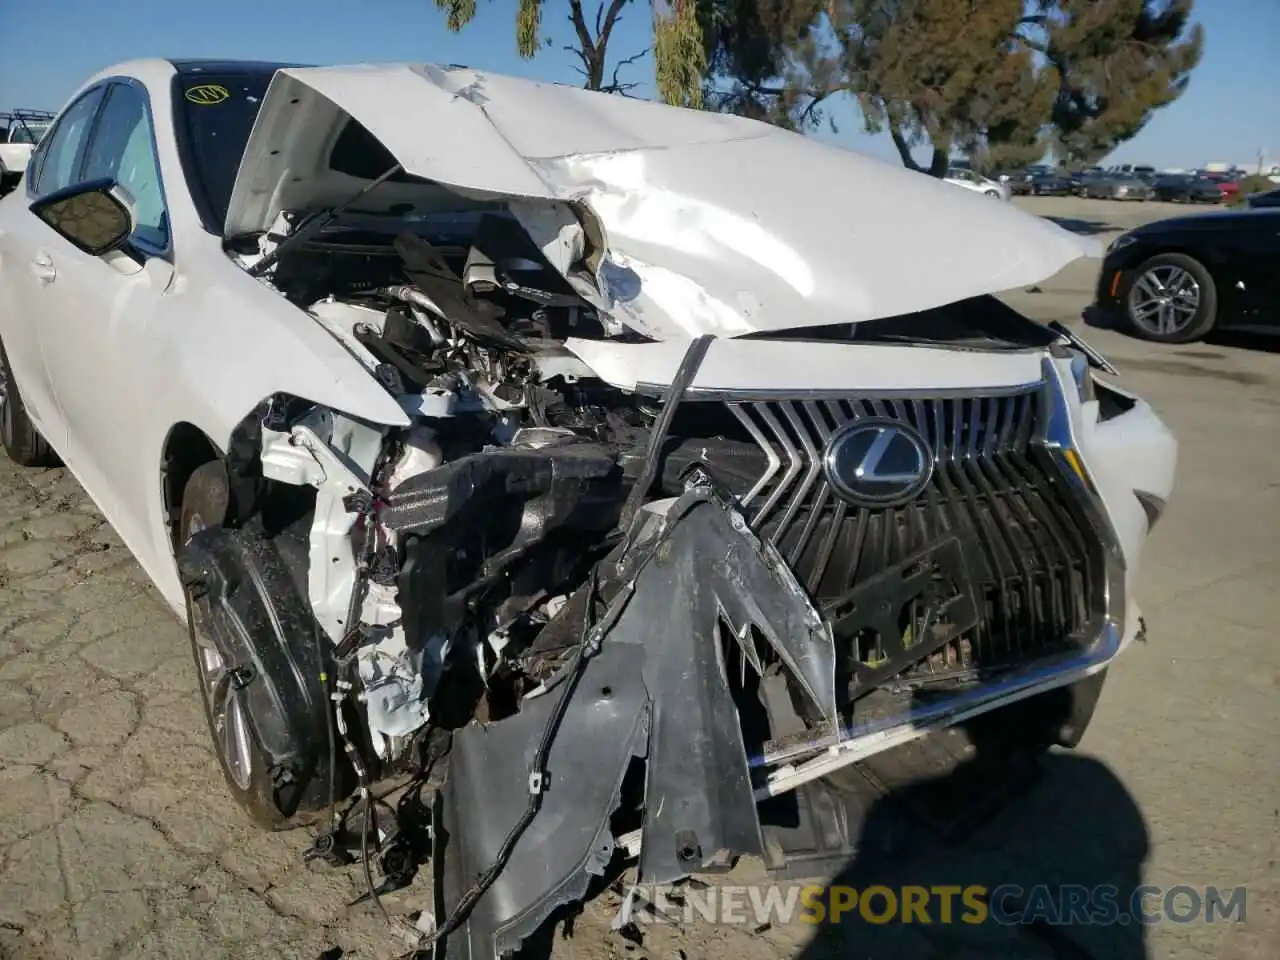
(1227, 182)
(1019, 181)
(1186, 188)
(1257, 201)
(1079, 179)
(20, 131)
(1019, 186)
(1050, 185)
(1175, 280)
(1140, 170)
(1120, 186)
(963, 177)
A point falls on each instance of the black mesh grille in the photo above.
(1036, 576)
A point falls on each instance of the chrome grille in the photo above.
(1036, 578)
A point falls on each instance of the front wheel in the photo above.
(1171, 299)
(21, 440)
(259, 660)
(992, 193)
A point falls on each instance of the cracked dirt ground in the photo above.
(117, 839)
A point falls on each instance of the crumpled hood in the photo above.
(710, 223)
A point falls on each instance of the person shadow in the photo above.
(1035, 829)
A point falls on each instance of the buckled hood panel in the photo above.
(708, 223)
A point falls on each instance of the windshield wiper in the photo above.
(313, 224)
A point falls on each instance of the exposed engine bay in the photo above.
(474, 527)
(565, 579)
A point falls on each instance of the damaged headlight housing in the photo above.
(1122, 241)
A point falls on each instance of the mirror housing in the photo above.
(96, 217)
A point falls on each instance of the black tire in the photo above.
(1206, 313)
(273, 797)
(21, 440)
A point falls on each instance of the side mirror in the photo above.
(96, 217)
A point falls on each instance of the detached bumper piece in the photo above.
(657, 691)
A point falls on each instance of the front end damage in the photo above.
(637, 565)
(635, 622)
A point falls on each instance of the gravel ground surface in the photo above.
(117, 838)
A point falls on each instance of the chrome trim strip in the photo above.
(907, 393)
(775, 462)
(793, 463)
(863, 741)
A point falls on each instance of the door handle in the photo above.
(42, 267)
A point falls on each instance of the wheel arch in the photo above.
(186, 448)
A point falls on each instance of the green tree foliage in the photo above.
(679, 51)
(999, 80)
(948, 74)
(459, 13)
(1120, 61)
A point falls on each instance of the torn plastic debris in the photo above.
(657, 690)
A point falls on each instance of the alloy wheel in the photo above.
(1164, 300)
(220, 688)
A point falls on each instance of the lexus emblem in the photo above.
(878, 463)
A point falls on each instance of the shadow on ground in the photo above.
(1077, 827)
(1087, 228)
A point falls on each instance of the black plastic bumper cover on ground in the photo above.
(657, 689)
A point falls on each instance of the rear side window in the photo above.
(60, 152)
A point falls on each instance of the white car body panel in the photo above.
(220, 335)
(699, 238)
(14, 157)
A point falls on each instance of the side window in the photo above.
(123, 149)
(61, 149)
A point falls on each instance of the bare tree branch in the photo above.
(617, 86)
(592, 50)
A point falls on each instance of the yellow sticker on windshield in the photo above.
(207, 94)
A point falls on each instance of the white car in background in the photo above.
(458, 412)
(963, 177)
(20, 131)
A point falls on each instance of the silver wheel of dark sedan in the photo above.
(1165, 300)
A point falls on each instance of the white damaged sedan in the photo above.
(561, 435)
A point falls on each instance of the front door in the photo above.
(98, 333)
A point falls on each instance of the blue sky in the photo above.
(1230, 112)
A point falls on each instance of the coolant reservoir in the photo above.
(421, 453)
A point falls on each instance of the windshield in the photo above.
(215, 115)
